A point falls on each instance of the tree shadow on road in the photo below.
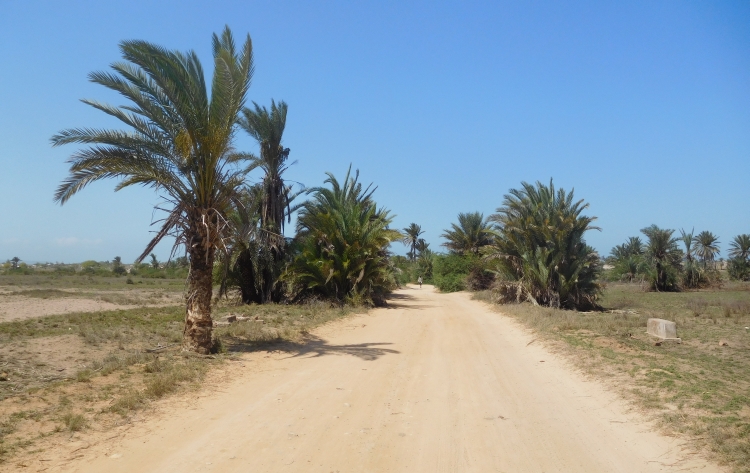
(314, 347)
(394, 299)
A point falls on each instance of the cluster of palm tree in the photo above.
(663, 264)
(256, 251)
(540, 250)
(180, 142)
(532, 249)
(343, 239)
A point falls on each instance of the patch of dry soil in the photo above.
(17, 307)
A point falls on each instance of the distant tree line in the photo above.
(669, 262)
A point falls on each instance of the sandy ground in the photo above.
(435, 383)
(16, 307)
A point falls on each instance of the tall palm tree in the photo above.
(707, 247)
(267, 127)
(740, 247)
(411, 239)
(470, 235)
(271, 203)
(688, 239)
(179, 143)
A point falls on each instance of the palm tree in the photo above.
(541, 251)
(632, 247)
(627, 258)
(271, 202)
(425, 262)
(180, 144)
(267, 127)
(688, 239)
(470, 235)
(740, 247)
(665, 257)
(421, 246)
(693, 276)
(707, 246)
(343, 237)
(411, 239)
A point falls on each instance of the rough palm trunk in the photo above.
(246, 274)
(198, 323)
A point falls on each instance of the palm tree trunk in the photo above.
(246, 270)
(196, 336)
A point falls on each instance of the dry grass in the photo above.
(101, 374)
(84, 283)
(275, 323)
(697, 388)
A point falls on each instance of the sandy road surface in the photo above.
(436, 383)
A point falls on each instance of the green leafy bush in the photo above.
(739, 269)
(454, 272)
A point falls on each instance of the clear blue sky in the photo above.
(642, 107)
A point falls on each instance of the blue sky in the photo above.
(642, 107)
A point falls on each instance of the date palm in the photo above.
(540, 248)
(740, 247)
(180, 144)
(411, 239)
(271, 203)
(631, 248)
(267, 127)
(421, 246)
(706, 247)
(664, 256)
(688, 240)
(470, 235)
(343, 238)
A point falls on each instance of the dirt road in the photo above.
(435, 383)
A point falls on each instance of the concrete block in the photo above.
(664, 329)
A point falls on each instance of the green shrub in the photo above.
(739, 269)
(453, 272)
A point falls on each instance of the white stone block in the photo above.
(661, 328)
